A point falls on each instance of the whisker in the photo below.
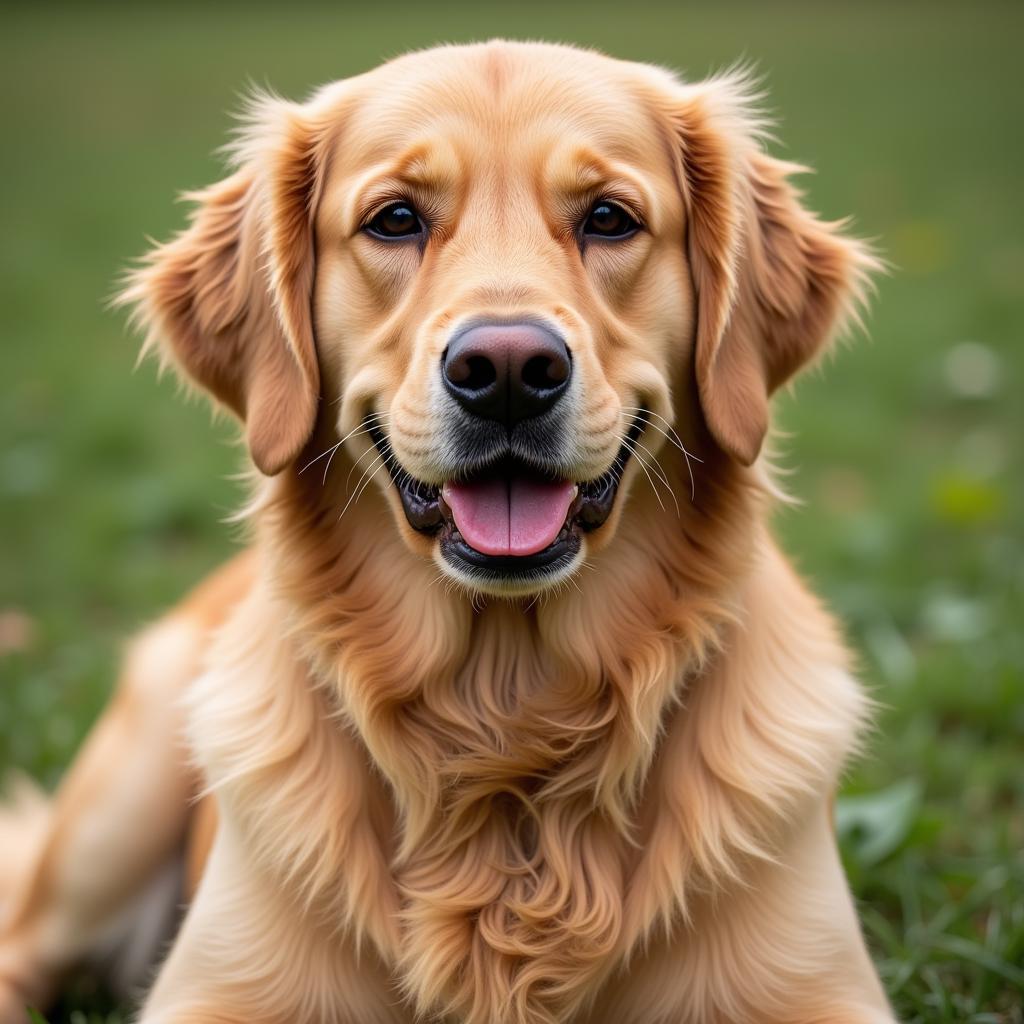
(352, 469)
(660, 470)
(327, 465)
(689, 469)
(363, 427)
(363, 483)
(669, 433)
(668, 430)
(369, 480)
(323, 481)
(643, 465)
(675, 439)
(326, 451)
(671, 430)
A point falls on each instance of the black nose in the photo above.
(507, 372)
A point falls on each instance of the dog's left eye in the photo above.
(609, 220)
(397, 220)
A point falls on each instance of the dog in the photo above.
(512, 711)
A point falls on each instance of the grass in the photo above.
(906, 450)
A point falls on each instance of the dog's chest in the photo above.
(516, 920)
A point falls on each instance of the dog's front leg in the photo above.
(116, 821)
(782, 948)
(250, 952)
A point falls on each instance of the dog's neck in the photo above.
(511, 690)
(515, 737)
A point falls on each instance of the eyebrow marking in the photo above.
(428, 163)
(577, 170)
(425, 172)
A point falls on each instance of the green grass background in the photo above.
(906, 450)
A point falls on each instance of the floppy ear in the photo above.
(772, 281)
(228, 301)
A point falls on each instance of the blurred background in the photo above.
(905, 449)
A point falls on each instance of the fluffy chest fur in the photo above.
(505, 801)
(518, 825)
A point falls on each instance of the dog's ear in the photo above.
(772, 281)
(228, 301)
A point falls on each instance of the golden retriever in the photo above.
(513, 712)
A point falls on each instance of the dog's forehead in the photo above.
(501, 98)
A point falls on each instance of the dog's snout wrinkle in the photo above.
(507, 371)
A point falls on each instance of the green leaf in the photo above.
(35, 1016)
(874, 825)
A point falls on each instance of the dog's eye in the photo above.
(609, 220)
(399, 220)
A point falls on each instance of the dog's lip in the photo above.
(427, 512)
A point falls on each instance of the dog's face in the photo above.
(504, 276)
(501, 294)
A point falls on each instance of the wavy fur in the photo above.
(606, 803)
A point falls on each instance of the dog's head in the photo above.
(505, 277)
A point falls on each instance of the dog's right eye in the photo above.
(398, 220)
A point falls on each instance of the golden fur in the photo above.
(607, 802)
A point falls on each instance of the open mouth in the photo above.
(509, 519)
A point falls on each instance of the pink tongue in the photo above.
(509, 517)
